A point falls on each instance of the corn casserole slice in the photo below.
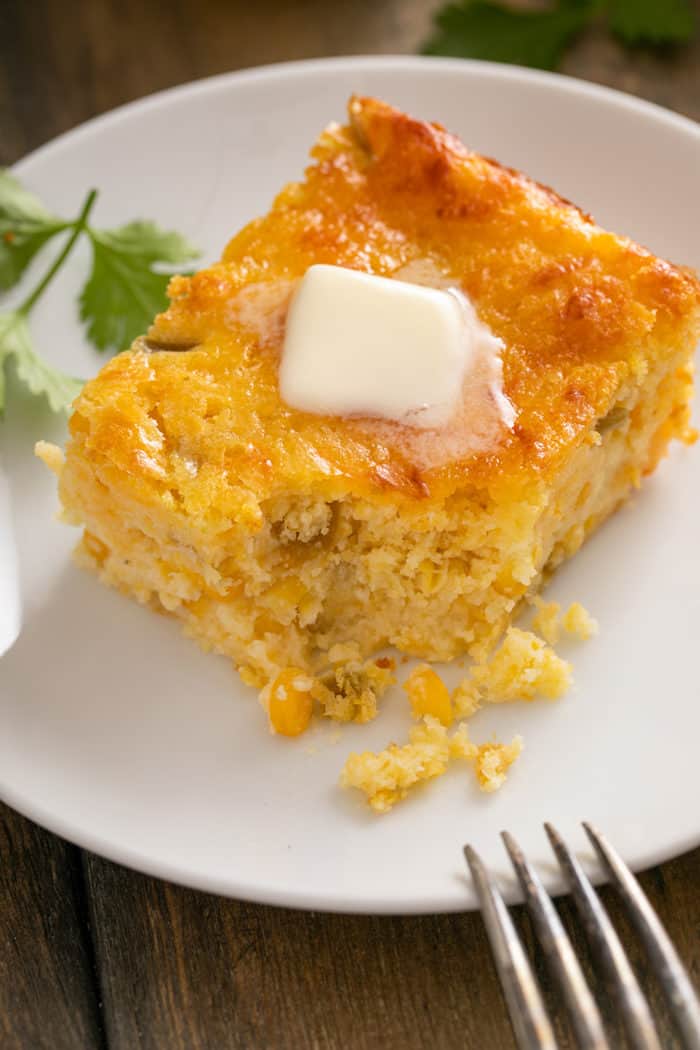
(281, 538)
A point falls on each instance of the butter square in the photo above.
(361, 345)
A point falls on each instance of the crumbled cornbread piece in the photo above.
(51, 455)
(349, 692)
(290, 702)
(346, 693)
(522, 668)
(466, 699)
(491, 761)
(549, 620)
(386, 776)
(579, 622)
(428, 694)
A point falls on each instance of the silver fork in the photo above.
(531, 1025)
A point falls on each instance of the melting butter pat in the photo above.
(360, 345)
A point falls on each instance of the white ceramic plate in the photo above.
(118, 733)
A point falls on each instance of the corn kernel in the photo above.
(230, 567)
(267, 624)
(428, 694)
(431, 578)
(288, 591)
(290, 704)
(283, 598)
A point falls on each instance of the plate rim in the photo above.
(279, 70)
(337, 904)
(271, 894)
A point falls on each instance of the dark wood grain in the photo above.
(211, 974)
(48, 996)
(180, 969)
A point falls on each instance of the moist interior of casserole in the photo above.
(434, 580)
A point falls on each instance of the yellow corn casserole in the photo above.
(281, 538)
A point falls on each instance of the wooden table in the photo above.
(93, 955)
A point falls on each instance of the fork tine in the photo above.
(552, 936)
(633, 1005)
(527, 1013)
(682, 1000)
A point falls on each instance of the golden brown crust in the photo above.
(579, 309)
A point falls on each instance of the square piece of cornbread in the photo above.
(285, 539)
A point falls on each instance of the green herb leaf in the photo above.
(482, 29)
(126, 286)
(651, 21)
(25, 227)
(124, 292)
(40, 378)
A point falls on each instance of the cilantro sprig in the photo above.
(123, 291)
(25, 227)
(126, 286)
(500, 32)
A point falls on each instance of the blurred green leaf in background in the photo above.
(539, 36)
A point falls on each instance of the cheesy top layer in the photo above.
(195, 405)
